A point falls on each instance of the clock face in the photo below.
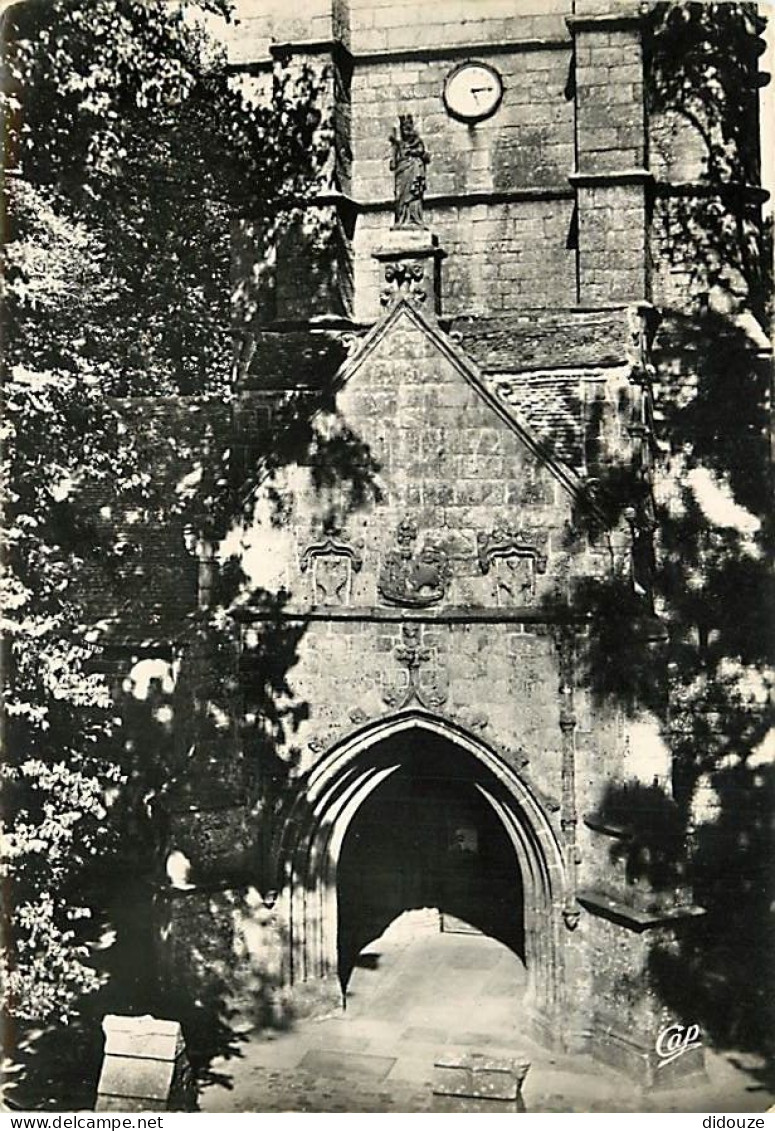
(473, 91)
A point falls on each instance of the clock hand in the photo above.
(480, 89)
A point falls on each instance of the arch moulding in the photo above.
(330, 794)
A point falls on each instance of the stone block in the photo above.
(137, 1078)
(145, 1067)
(474, 1082)
(636, 1055)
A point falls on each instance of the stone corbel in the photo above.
(404, 280)
(571, 916)
(410, 264)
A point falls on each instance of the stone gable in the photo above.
(438, 449)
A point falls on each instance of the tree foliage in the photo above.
(706, 676)
(130, 132)
(130, 150)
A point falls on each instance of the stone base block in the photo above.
(318, 997)
(641, 1062)
(145, 1067)
(477, 1083)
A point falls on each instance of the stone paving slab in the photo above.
(321, 1062)
(573, 1085)
(346, 1042)
(425, 1035)
(475, 1040)
(412, 1070)
(478, 960)
(404, 1038)
(306, 1093)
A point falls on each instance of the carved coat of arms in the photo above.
(513, 557)
(414, 578)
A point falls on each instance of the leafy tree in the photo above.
(59, 437)
(130, 151)
(129, 123)
(704, 490)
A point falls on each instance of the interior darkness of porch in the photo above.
(427, 838)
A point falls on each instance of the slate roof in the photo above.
(553, 406)
(542, 366)
(542, 339)
(290, 359)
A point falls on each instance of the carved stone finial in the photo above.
(406, 535)
(408, 163)
(404, 280)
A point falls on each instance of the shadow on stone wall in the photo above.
(208, 748)
(702, 62)
(701, 668)
(183, 925)
(684, 635)
(164, 344)
(693, 652)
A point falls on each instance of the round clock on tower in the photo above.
(473, 92)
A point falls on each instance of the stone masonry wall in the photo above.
(430, 446)
(612, 235)
(345, 671)
(370, 26)
(446, 460)
(609, 92)
(510, 172)
(583, 98)
(527, 142)
(499, 256)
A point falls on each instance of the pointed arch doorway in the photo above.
(427, 840)
(414, 812)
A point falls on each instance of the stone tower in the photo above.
(474, 355)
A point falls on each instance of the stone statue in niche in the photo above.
(408, 162)
(330, 565)
(643, 319)
(413, 579)
(642, 557)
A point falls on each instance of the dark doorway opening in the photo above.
(427, 838)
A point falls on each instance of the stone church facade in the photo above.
(409, 723)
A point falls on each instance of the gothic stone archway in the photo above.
(336, 789)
